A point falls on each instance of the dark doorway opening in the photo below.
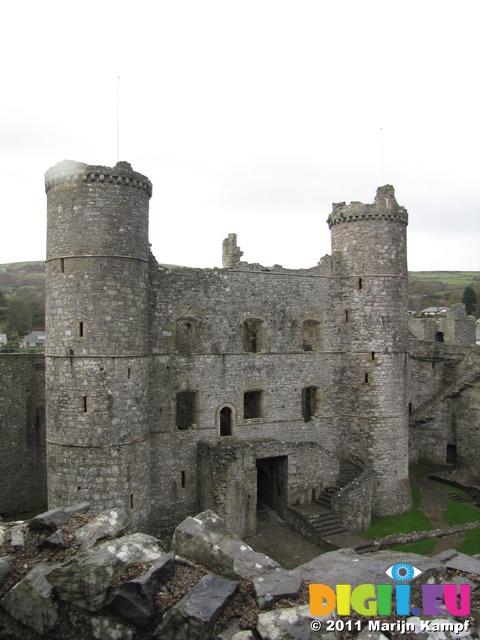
(226, 421)
(439, 336)
(451, 454)
(272, 483)
(185, 410)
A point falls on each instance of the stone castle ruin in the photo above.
(173, 390)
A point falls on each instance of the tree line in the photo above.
(20, 315)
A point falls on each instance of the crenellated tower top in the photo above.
(384, 207)
(72, 172)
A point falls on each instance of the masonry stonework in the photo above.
(170, 390)
(23, 477)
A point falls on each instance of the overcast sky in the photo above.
(249, 117)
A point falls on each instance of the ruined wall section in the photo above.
(369, 241)
(443, 400)
(97, 337)
(220, 370)
(23, 480)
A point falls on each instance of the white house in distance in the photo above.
(3, 339)
(34, 339)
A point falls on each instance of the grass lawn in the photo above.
(415, 520)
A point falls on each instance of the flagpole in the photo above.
(118, 119)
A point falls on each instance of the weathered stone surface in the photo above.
(347, 567)
(206, 539)
(195, 614)
(54, 518)
(293, 624)
(18, 536)
(272, 587)
(365, 634)
(55, 541)
(84, 580)
(135, 600)
(104, 628)
(109, 524)
(233, 632)
(2, 534)
(6, 567)
(29, 601)
(460, 561)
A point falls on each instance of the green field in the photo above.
(455, 278)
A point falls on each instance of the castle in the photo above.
(171, 390)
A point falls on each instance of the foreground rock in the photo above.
(6, 567)
(294, 623)
(57, 517)
(135, 600)
(30, 600)
(85, 579)
(347, 567)
(193, 617)
(275, 586)
(108, 524)
(205, 539)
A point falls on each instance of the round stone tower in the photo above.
(97, 338)
(369, 243)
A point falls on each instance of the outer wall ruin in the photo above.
(23, 486)
(171, 390)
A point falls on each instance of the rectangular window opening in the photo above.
(252, 401)
(183, 479)
(346, 315)
(410, 407)
(366, 377)
(186, 412)
(129, 373)
(84, 404)
(309, 403)
(131, 501)
(373, 355)
(62, 265)
(359, 284)
(80, 329)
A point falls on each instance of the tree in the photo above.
(469, 299)
(3, 307)
(26, 313)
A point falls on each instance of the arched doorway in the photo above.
(225, 421)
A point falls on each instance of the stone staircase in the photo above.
(348, 472)
(321, 524)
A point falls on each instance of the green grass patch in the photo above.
(459, 278)
(422, 547)
(414, 469)
(413, 520)
(460, 513)
(471, 542)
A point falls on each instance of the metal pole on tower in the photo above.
(118, 119)
(381, 149)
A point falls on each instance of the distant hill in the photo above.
(20, 278)
(440, 288)
(425, 288)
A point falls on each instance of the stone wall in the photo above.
(23, 481)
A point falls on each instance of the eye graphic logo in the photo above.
(403, 572)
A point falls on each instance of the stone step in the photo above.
(325, 502)
(324, 532)
(324, 517)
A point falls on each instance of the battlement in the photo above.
(71, 172)
(384, 207)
